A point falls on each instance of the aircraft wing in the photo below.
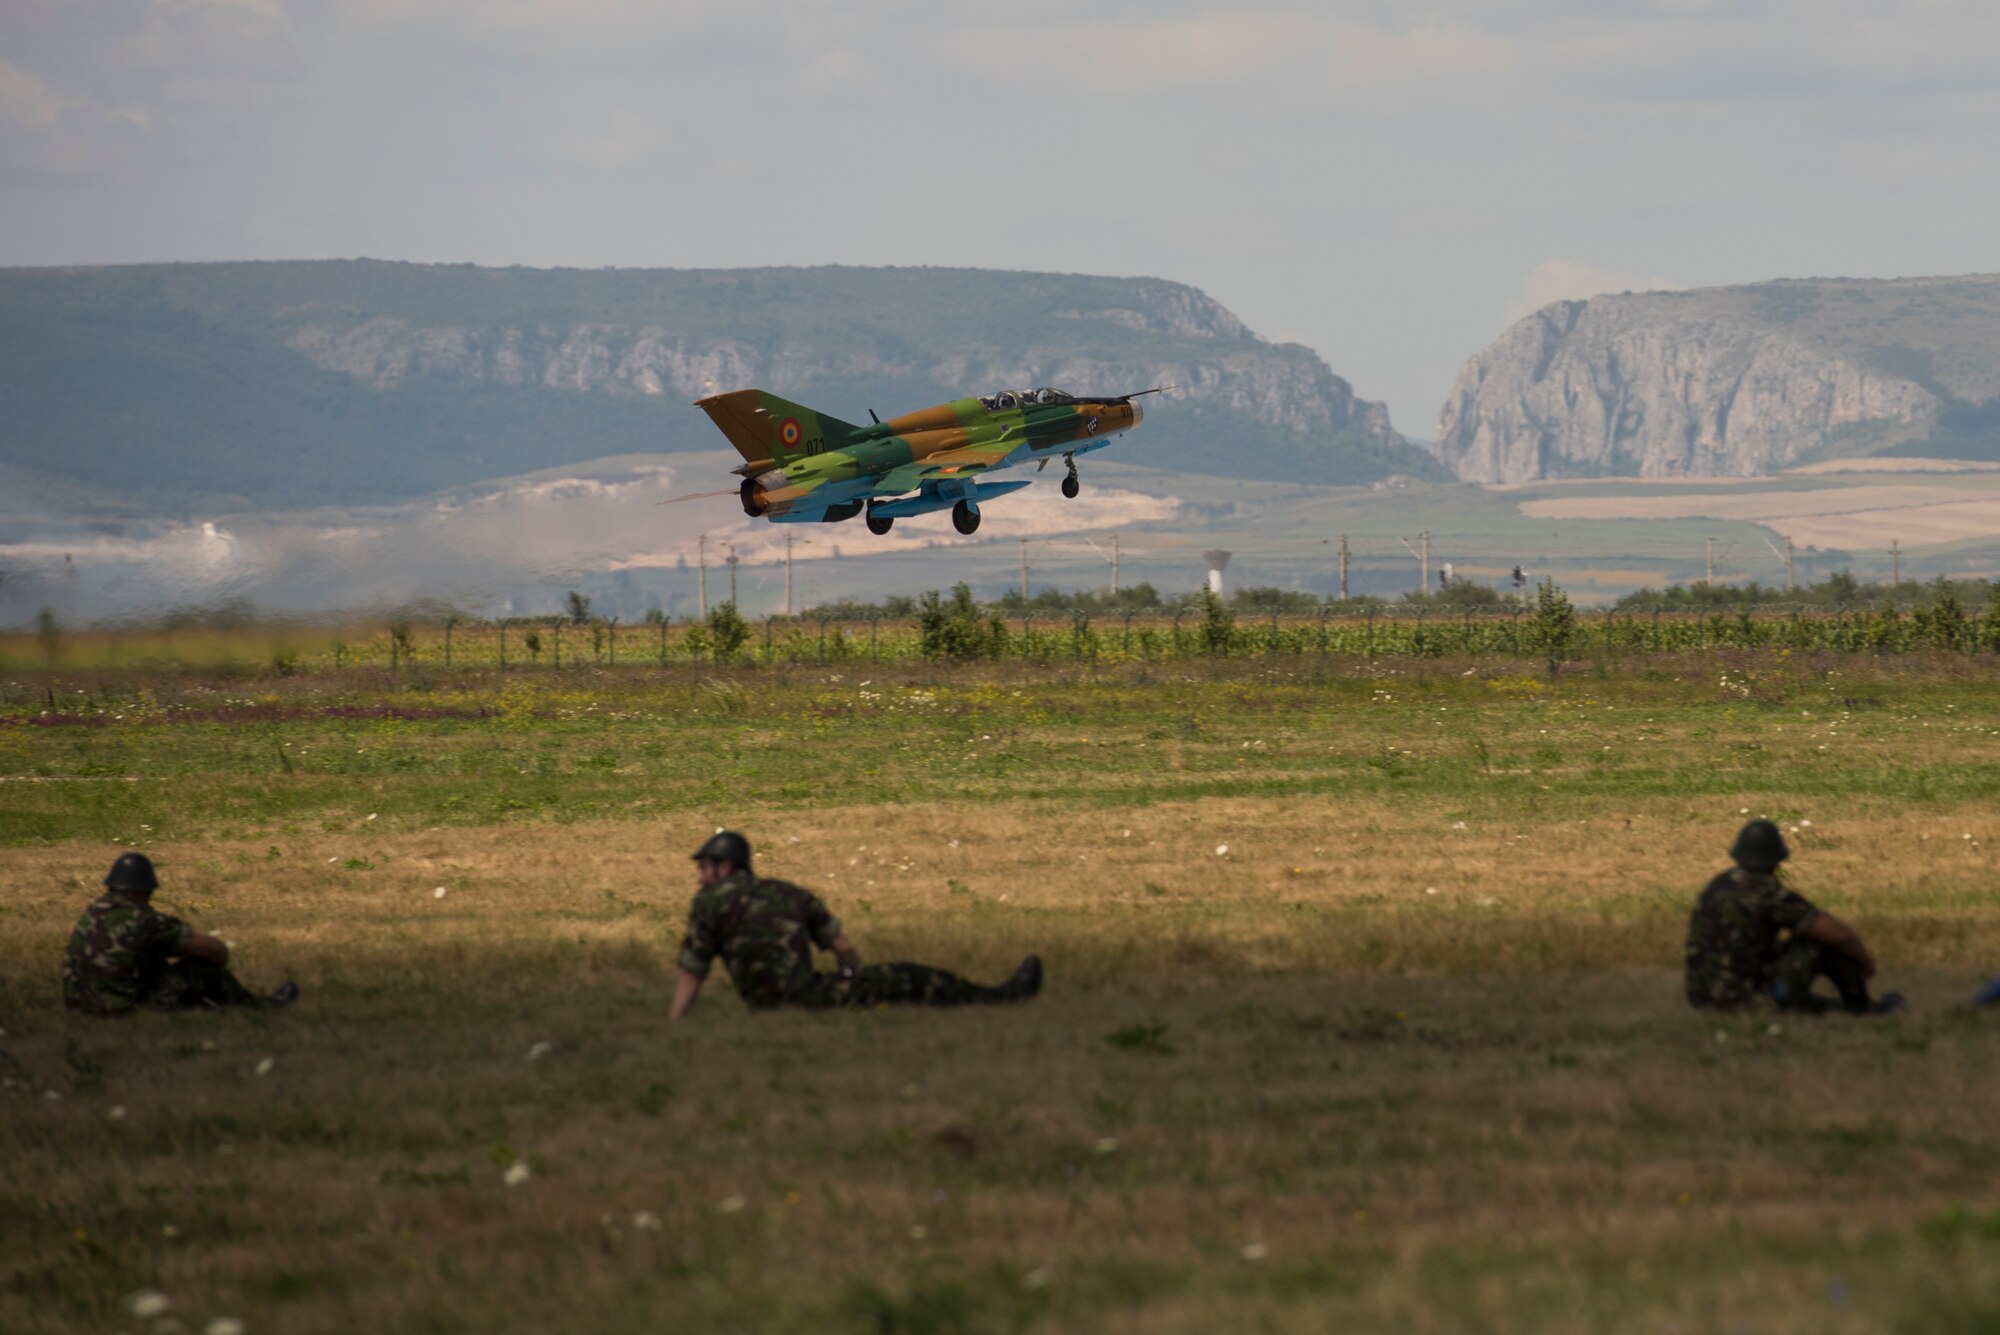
(962, 462)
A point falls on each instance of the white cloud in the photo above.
(25, 98)
(1572, 280)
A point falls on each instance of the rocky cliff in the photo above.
(346, 381)
(1731, 381)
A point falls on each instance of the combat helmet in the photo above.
(725, 846)
(132, 871)
(1759, 847)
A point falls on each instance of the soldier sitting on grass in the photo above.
(123, 955)
(765, 931)
(1735, 957)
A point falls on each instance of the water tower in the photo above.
(1218, 561)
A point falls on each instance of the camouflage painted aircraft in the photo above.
(801, 466)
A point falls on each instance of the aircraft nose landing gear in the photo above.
(964, 518)
(879, 526)
(1071, 484)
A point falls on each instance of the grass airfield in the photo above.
(1363, 1005)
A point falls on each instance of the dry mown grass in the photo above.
(1286, 1088)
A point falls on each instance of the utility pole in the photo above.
(1791, 584)
(701, 585)
(788, 574)
(1343, 567)
(1896, 563)
(1114, 565)
(1024, 571)
(732, 574)
(1423, 560)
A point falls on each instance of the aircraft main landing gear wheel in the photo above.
(1071, 486)
(880, 526)
(965, 519)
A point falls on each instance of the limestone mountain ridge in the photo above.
(1731, 382)
(289, 384)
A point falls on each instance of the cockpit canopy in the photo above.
(1024, 398)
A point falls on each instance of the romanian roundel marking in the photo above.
(789, 433)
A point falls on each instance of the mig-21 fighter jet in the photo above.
(801, 466)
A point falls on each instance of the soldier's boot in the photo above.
(1025, 983)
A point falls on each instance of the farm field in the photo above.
(1363, 1004)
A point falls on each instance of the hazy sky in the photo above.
(1384, 181)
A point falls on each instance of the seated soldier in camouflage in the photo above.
(1734, 956)
(123, 955)
(765, 931)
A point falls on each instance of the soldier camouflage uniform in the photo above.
(119, 958)
(1734, 956)
(765, 931)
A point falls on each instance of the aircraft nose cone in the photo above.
(1138, 412)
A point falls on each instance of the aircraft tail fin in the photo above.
(766, 429)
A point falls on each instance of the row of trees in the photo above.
(1838, 590)
(960, 629)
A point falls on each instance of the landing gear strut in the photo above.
(964, 518)
(879, 526)
(1071, 484)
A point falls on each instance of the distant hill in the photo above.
(1732, 381)
(169, 388)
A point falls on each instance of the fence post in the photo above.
(1514, 632)
(1468, 630)
(1177, 634)
(822, 639)
(1126, 644)
(448, 621)
(1420, 631)
(1655, 644)
(339, 653)
(1322, 632)
(767, 641)
(503, 646)
(611, 641)
(1371, 630)
(558, 646)
(663, 641)
(874, 621)
(1271, 645)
